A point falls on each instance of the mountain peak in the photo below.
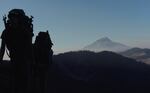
(104, 44)
(105, 39)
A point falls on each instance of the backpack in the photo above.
(42, 48)
(18, 34)
(18, 28)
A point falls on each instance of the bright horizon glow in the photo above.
(74, 24)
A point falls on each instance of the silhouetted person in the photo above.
(43, 59)
(17, 38)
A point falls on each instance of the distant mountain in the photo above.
(106, 44)
(139, 54)
(103, 72)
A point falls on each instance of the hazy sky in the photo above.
(74, 24)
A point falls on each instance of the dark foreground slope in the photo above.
(89, 72)
(104, 72)
(5, 74)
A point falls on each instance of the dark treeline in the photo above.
(89, 72)
(104, 72)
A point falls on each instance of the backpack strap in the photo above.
(7, 52)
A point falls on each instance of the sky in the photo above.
(73, 24)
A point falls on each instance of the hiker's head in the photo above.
(16, 13)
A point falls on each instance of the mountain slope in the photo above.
(139, 54)
(106, 44)
(104, 72)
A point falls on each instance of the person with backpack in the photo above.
(43, 59)
(17, 38)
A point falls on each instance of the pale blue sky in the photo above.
(74, 24)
